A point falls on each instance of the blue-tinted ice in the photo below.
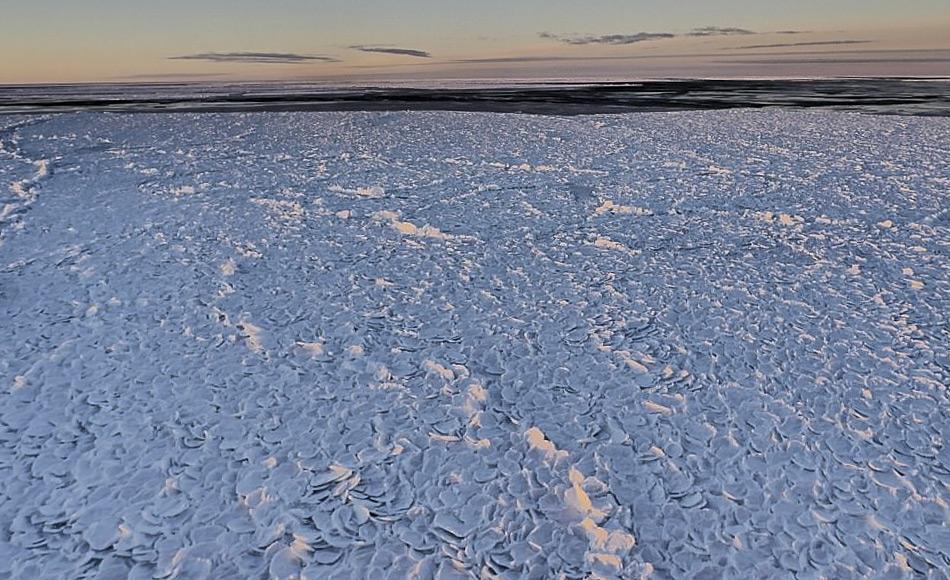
(391, 345)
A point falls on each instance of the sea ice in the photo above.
(462, 345)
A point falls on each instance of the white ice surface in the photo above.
(378, 345)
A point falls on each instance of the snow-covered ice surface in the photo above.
(391, 345)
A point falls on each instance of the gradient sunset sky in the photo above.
(127, 40)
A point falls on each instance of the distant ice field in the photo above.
(894, 96)
(474, 345)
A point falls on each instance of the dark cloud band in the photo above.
(392, 50)
(719, 31)
(255, 57)
(621, 39)
(611, 39)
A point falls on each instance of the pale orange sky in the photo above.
(109, 40)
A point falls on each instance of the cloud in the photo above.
(859, 60)
(517, 59)
(171, 76)
(392, 50)
(719, 31)
(613, 39)
(622, 39)
(790, 44)
(255, 57)
(559, 58)
(627, 57)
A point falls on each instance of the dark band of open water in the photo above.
(879, 96)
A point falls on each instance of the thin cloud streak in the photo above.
(392, 50)
(255, 57)
(908, 60)
(700, 55)
(793, 44)
(610, 39)
(719, 31)
(517, 59)
(624, 39)
(172, 76)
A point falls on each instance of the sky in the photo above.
(55, 41)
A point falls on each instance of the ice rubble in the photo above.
(704, 344)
